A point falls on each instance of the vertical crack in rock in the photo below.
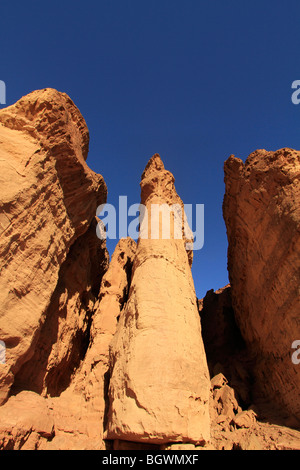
(157, 354)
(92, 378)
(93, 346)
(64, 336)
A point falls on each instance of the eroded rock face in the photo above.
(159, 386)
(234, 428)
(225, 348)
(93, 345)
(90, 383)
(52, 262)
(48, 200)
(262, 214)
(77, 413)
(63, 339)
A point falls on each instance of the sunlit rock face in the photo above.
(159, 386)
(262, 214)
(99, 353)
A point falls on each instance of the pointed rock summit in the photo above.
(159, 386)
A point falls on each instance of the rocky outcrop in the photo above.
(262, 215)
(234, 428)
(159, 386)
(49, 198)
(51, 259)
(90, 383)
(103, 355)
(225, 348)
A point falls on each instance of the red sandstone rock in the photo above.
(89, 384)
(59, 324)
(25, 422)
(235, 429)
(225, 348)
(51, 259)
(159, 387)
(262, 214)
(48, 200)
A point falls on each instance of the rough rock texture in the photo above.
(77, 414)
(25, 422)
(94, 346)
(225, 348)
(262, 214)
(49, 198)
(159, 386)
(91, 380)
(240, 420)
(64, 336)
(51, 259)
(236, 429)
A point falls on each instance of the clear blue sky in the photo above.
(194, 81)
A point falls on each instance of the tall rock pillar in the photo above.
(159, 386)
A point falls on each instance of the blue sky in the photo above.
(194, 81)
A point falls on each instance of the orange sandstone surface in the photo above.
(119, 353)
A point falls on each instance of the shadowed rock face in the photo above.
(92, 378)
(225, 349)
(159, 387)
(262, 214)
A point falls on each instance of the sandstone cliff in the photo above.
(48, 202)
(262, 215)
(51, 259)
(114, 354)
(159, 387)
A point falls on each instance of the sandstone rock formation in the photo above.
(262, 214)
(49, 198)
(51, 260)
(74, 419)
(233, 428)
(159, 386)
(94, 346)
(90, 383)
(225, 348)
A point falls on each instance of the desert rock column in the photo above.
(159, 387)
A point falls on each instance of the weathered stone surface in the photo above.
(225, 348)
(92, 347)
(245, 419)
(89, 384)
(48, 200)
(25, 422)
(234, 428)
(262, 214)
(63, 338)
(51, 259)
(159, 387)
